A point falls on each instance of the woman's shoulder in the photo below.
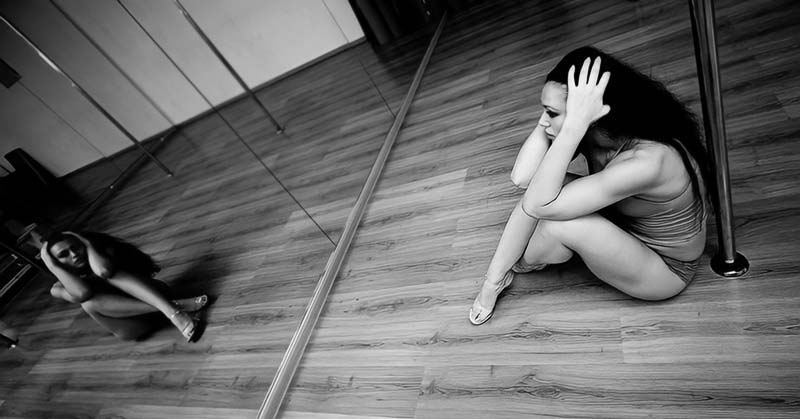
(664, 163)
(643, 153)
(653, 152)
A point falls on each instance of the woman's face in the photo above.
(70, 253)
(554, 101)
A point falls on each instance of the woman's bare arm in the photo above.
(584, 106)
(530, 155)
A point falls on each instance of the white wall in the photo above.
(262, 39)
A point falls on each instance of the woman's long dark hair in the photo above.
(123, 255)
(642, 108)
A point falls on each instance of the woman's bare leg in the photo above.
(612, 254)
(120, 306)
(516, 235)
(125, 328)
(515, 238)
(143, 290)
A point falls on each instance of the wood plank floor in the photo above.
(224, 226)
(394, 340)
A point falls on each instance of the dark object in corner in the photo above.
(7, 74)
(384, 21)
(30, 189)
(8, 342)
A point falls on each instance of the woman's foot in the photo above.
(191, 304)
(186, 324)
(483, 306)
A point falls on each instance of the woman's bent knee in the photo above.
(90, 306)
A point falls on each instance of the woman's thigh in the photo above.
(615, 256)
(126, 328)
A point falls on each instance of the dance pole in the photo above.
(227, 65)
(291, 358)
(219, 114)
(727, 262)
(86, 95)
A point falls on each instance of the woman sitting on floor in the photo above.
(114, 283)
(638, 218)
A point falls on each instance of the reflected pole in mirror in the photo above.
(185, 13)
(729, 263)
(85, 94)
(224, 120)
(291, 359)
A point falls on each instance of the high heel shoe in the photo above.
(188, 330)
(478, 314)
(197, 303)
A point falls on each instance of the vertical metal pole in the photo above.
(728, 262)
(227, 65)
(86, 95)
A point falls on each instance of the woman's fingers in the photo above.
(604, 81)
(595, 73)
(585, 71)
(571, 78)
(589, 74)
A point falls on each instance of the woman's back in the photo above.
(671, 218)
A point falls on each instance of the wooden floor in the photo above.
(394, 340)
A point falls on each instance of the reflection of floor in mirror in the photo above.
(221, 225)
(394, 340)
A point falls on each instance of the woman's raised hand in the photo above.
(585, 99)
(45, 255)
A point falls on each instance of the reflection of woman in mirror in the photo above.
(113, 282)
(638, 218)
